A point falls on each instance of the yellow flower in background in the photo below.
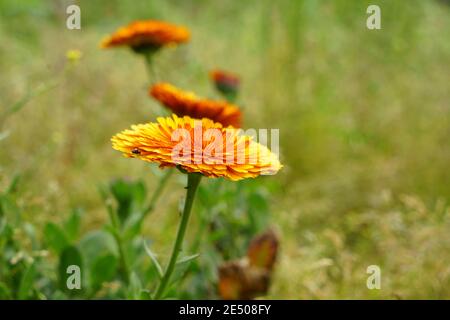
(144, 34)
(74, 55)
(201, 146)
(185, 103)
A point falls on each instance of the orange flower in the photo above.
(201, 146)
(250, 276)
(184, 103)
(225, 82)
(147, 34)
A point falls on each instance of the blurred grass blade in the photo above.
(154, 260)
(16, 107)
(4, 135)
(188, 258)
(26, 283)
(13, 186)
(135, 287)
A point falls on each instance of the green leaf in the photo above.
(13, 186)
(55, 237)
(145, 295)
(2, 211)
(96, 244)
(154, 260)
(129, 195)
(72, 225)
(181, 268)
(5, 293)
(30, 231)
(132, 226)
(188, 258)
(26, 283)
(9, 208)
(69, 256)
(135, 287)
(103, 270)
(6, 233)
(179, 273)
(258, 211)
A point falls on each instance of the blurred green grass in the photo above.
(364, 124)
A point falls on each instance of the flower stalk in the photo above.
(192, 184)
(148, 56)
(117, 234)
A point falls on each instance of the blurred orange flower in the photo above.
(184, 103)
(147, 34)
(250, 276)
(237, 281)
(263, 249)
(201, 146)
(226, 82)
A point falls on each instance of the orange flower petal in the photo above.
(238, 157)
(184, 103)
(147, 33)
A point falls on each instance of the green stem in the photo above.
(123, 260)
(155, 196)
(230, 97)
(16, 107)
(119, 241)
(150, 67)
(193, 182)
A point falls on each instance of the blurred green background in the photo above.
(364, 121)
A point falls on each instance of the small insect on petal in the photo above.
(136, 151)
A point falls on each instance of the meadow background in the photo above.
(364, 121)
